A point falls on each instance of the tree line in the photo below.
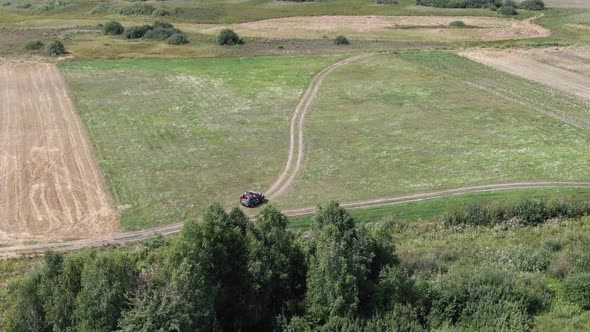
(227, 273)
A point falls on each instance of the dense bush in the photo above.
(532, 5)
(576, 287)
(138, 9)
(56, 48)
(24, 6)
(455, 3)
(491, 300)
(388, 2)
(507, 10)
(341, 40)
(522, 212)
(112, 28)
(161, 12)
(35, 44)
(177, 39)
(137, 31)
(228, 37)
(157, 31)
(457, 24)
(6, 3)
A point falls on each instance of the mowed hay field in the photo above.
(173, 136)
(563, 69)
(423, 121)
(389, 28)
(50, 184)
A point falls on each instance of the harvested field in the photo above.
(567, 70)
(50, 184)
(568, 3)
(386, 28)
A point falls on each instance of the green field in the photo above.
(172, 136)
(411, 123)
(431, 210)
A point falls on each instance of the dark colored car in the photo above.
(251, 198)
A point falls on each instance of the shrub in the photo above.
(6, 3)
(576, 288)
(228, 37)
(457, 24)
(532, 5)
(56, 48)
(341, 40)
(137, 10)
(507, 10)
(388, 2)
(161, 12)
(35, 44)
(137, 31)
(112, 28)
(24, 6)
(177, 39)
(454, 3)
(159, 33)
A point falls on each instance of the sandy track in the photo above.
(130, 237)
(50, 183)
(293, 164)
(525, 66)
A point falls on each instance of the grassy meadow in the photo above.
(423, 121)
(172, 136)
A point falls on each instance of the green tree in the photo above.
(228, 37)
(26, 306)
(56, 48)
(104, 285)
(60, 311)
(339, 265)
(277, 266)
(112, 28)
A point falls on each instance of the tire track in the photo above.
(293, 165)
(135, 236)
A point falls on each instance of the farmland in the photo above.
(399, 124)
(174, 135)
(51, 187)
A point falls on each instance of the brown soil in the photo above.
(386, 27)
(50, 184)
(530, 64)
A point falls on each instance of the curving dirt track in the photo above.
(50, 184)
(296, 128)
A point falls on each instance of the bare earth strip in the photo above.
(526, 67)
(50, 184)
(383, 27)
(130, 237)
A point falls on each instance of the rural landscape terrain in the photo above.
(425, 165)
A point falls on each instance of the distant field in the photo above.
(172, 136)
(568, 3)
(567, 70)
(423, 121)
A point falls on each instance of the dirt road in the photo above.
(293, 164)
(50, 184)
(130, 237)
(523, 65)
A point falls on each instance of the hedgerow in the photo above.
(157, 31)
(524, 212)
(138, 9)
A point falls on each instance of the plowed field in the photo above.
(50, 183)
